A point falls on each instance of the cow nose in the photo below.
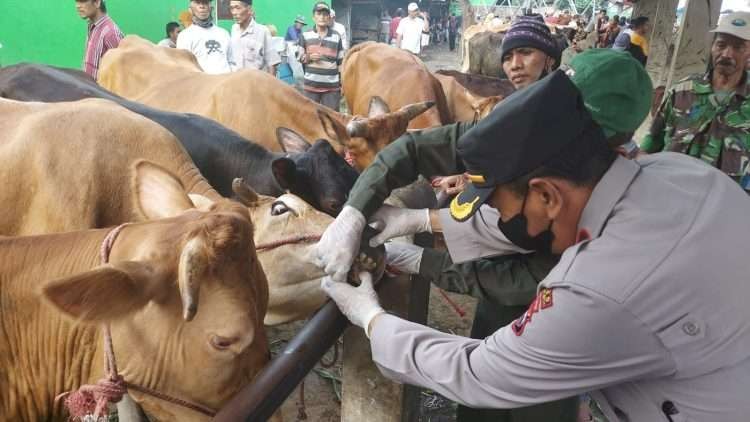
(333, 206)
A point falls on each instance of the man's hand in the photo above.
(359, 304)
(394, 222)
(339, 244)
(314, 57)
(403, 257)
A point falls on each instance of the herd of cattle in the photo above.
(160, 145)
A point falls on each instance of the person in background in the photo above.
(210, 44)
(294, 32)
(252, 46)
(103, 33)
(601, 24)
(394, 26)
(705, 116)
(452, 31)
(410, 30)
(341, 29)
(611, 33)
(323, 52)
(173, 30)
(633, 40)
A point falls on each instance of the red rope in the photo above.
(452, 304)
(304, 238)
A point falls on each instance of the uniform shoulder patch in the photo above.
(543, 300)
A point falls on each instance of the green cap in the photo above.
(616, 89)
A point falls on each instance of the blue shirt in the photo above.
(292, 34)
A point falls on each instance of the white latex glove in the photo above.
(396, 222)
(339, 244)
(359, 304)
(404, 257)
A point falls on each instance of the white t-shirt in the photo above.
(211, 46)
(410, 30)
(341, 29)
(167, 42)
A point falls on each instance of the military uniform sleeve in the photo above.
(572, 342)
(429, 153)
(654, 141)
(509, 280)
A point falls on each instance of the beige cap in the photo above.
(735, 23)
(412, 7)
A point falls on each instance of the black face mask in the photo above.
(516, 230)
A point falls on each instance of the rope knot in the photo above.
(94, 399)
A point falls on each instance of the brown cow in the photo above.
(472, 97)
(398, 77)
(71, 165)
(53, 289)
(253, 103)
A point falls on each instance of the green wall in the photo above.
(51, 32)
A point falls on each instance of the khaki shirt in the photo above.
(650, 313)
(253, 47)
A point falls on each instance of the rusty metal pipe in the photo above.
(258, 401)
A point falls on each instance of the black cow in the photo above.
(315, 172)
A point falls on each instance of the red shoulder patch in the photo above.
(543, 300)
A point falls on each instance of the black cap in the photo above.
(321, 5)
(532, 127)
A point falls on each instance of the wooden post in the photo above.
(693, 45)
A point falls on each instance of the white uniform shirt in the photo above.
(253, 47)
(211, 46)
(649, 308)
(410, 30)
(341, 29)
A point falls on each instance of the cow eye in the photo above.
(279, 208)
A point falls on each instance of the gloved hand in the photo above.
(359, 304)
(404, 257)
(339, 244)
(394, 222)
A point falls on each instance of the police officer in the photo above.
(647, 306)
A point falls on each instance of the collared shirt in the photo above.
(693, 120)
(410, 30)
(292, 33)
(323, 75)
(103, 35)
(252, 47)
(167, 42)
(211, 47)
(637, 310)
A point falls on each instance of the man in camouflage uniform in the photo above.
(708, 117)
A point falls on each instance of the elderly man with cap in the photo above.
(252, 44)
(323, 53)
(635, 311)
(504, 284)
(707, 116)
(210, 44)
(410, 30)
(294, 32)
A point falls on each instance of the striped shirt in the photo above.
(323, 75)
(103, 35)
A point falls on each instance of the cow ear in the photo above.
(335, 131)
(200, 202)
(244, 193)
(108, 292)
(378, 107)
(159, 194)
(285, 172)
(291, 141)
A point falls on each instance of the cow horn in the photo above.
(245, 194)
(413, 110)
(193, 265)
(357, 128)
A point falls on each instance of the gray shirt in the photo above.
(253, 47)
(649, 307)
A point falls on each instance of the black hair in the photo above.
(171, 26)
(616, 18)
(400, 12)
(583, 164)
(638, 22)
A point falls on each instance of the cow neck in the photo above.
(111, 388)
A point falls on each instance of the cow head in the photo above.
(293, 278)
(185, 297)
(316, 173)
(364, 137)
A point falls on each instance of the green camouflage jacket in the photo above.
(692, 121)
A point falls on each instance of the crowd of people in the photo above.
(598, 267)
